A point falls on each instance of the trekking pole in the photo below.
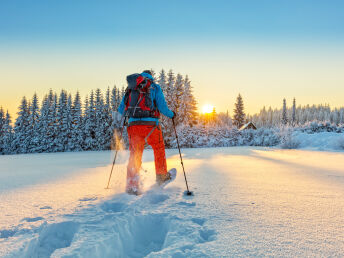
(181, 160)
(114, 160)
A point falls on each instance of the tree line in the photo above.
(294, 116)
(297, 115)
(62, 122)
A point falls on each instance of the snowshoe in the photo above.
(133, 191)
(133, 186)
(164, 179)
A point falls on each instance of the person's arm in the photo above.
(161, 103)
(121, 106)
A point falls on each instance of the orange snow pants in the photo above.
(137, 135)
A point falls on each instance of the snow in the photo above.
(249, 201)
(320, 141)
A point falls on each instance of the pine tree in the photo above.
(189, 104)
(293, 117)
(162, 81)
(33, 126)
(114, 99)
(53, 123)
(169, 97)
(101, 123)
(77, 123)
(169, 91)
(179, 106)
(62, 124)
(119, 98)
(2, 123)
(90, 125)
(6, 134)
(239, 114)
(2, 118)
(108, 130)
(21, 138)
(284, 113)
(69, 125)
(44, 129)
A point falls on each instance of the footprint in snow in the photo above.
(190, 204)
(113, 206)
(46, 208)
(199, 221)
(86, 199)
(207, 235)
(32, 219)
(52, 237)
(157, 198)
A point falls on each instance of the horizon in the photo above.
(265, 51)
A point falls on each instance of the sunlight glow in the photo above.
(207, 109)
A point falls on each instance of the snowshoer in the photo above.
(142, 104)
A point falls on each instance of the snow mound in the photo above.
(52, 237)
(319, 141)
(6, 233)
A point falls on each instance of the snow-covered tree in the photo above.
(2, 118)
(62, 122)
(22, 138)
(69, 124)
(2, 122)
(6, 134)
(77, 124)
(101, 126)
(162, 80)
(284, 113)
(53, 123)
(170, 90)
(239, 114)
(114, 98)
(293, 116)
(188, 104)
(178, 106)
(35, 137)
(44, 126)
(108, 118)
(90, 142)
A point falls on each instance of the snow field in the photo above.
(248, 202)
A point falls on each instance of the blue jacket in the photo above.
(158, 96)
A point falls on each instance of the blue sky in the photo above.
(253, 47)
(123, 20)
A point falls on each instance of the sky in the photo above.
(266, 50)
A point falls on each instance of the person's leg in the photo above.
(157, 142)
(136, 146)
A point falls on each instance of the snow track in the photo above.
(124, 226)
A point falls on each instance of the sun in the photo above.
(207, 109)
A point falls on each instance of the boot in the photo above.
(133, 186)
(162, 178)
